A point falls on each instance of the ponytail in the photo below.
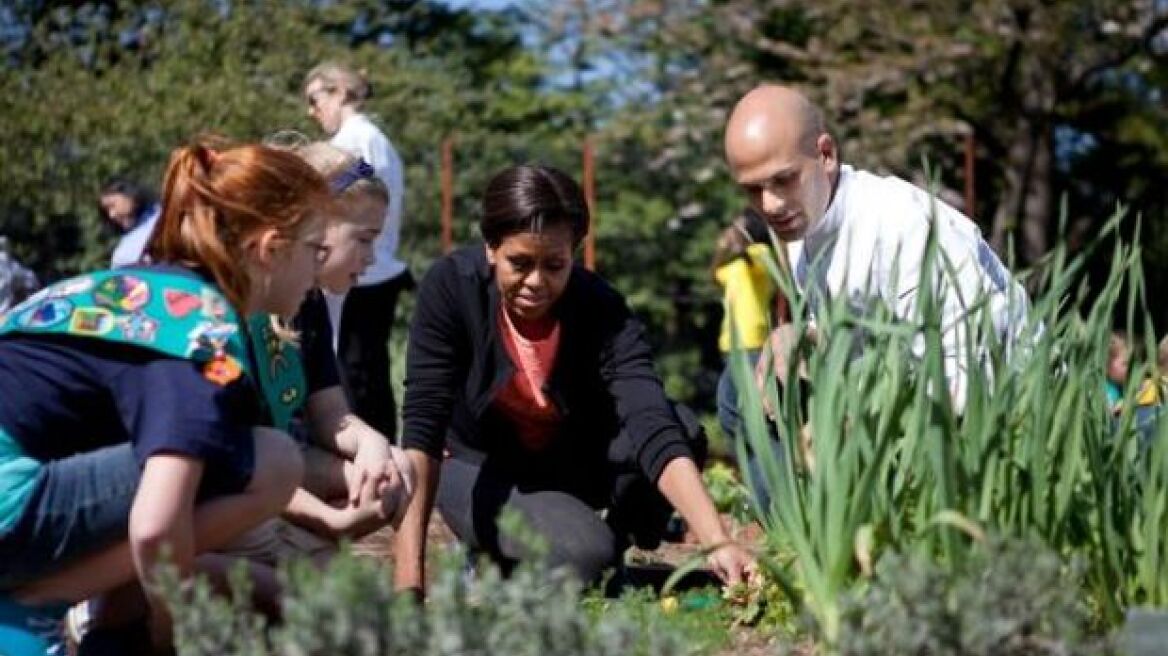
(215, 202)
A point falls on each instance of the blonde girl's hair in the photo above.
(336, 166)
(217, 199)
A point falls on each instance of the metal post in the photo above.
(447, 194)
(590, 198)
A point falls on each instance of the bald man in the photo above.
(861, 237)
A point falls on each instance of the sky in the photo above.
(478, 4)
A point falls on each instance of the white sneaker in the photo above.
(78, 621)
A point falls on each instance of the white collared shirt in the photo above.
(869, 248)
(132, 246)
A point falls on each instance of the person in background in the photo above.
(1118, 365)
(1149, 397)
(138, 403)
(1162, 367)
(133, 211)
(335, 94)
(747, 297)
(532, 373)
(16, 282)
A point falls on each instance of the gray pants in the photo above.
(471, 496)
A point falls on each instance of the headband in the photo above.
(358, 170)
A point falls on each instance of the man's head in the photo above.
(781, 155)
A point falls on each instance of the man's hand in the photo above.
(776, 359)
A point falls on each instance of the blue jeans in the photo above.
(729, 416)
(81, 505)
(730, 419)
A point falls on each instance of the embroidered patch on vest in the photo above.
(139, 327)
(122, 293)
(222, 369)
(179, 303)
(91, 321)
(49, 313)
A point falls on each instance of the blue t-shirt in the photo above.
(61, 395)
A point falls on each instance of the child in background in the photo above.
(136, 401)
(748, 295)
(1150, 397)
(1152, 391)
(1118, 362)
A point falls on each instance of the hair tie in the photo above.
(358, 170)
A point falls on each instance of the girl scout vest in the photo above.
(176, 315)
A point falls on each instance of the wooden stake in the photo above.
(590, 198)
(447, 194)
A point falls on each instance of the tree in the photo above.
(99, 89)
(904, 78)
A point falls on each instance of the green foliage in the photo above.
(1034, 451)
(727, 491)
(350, 609)
(697, 615)
(1010, 598)
(102, 89)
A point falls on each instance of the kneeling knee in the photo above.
(587, 559)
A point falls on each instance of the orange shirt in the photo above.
(521, 399)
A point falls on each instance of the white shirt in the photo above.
(132, 245)
(869, 249)
(334, 303)
(359, 137)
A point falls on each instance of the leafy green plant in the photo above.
(350, 609)
(894, 463)
(1010, 598)
(727, 491)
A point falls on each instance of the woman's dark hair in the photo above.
(532, 198)
(141, 195)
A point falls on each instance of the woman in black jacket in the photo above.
(529, 384)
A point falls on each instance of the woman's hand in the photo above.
(733, 564)
(395, 498)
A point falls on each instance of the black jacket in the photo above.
(603, 382)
